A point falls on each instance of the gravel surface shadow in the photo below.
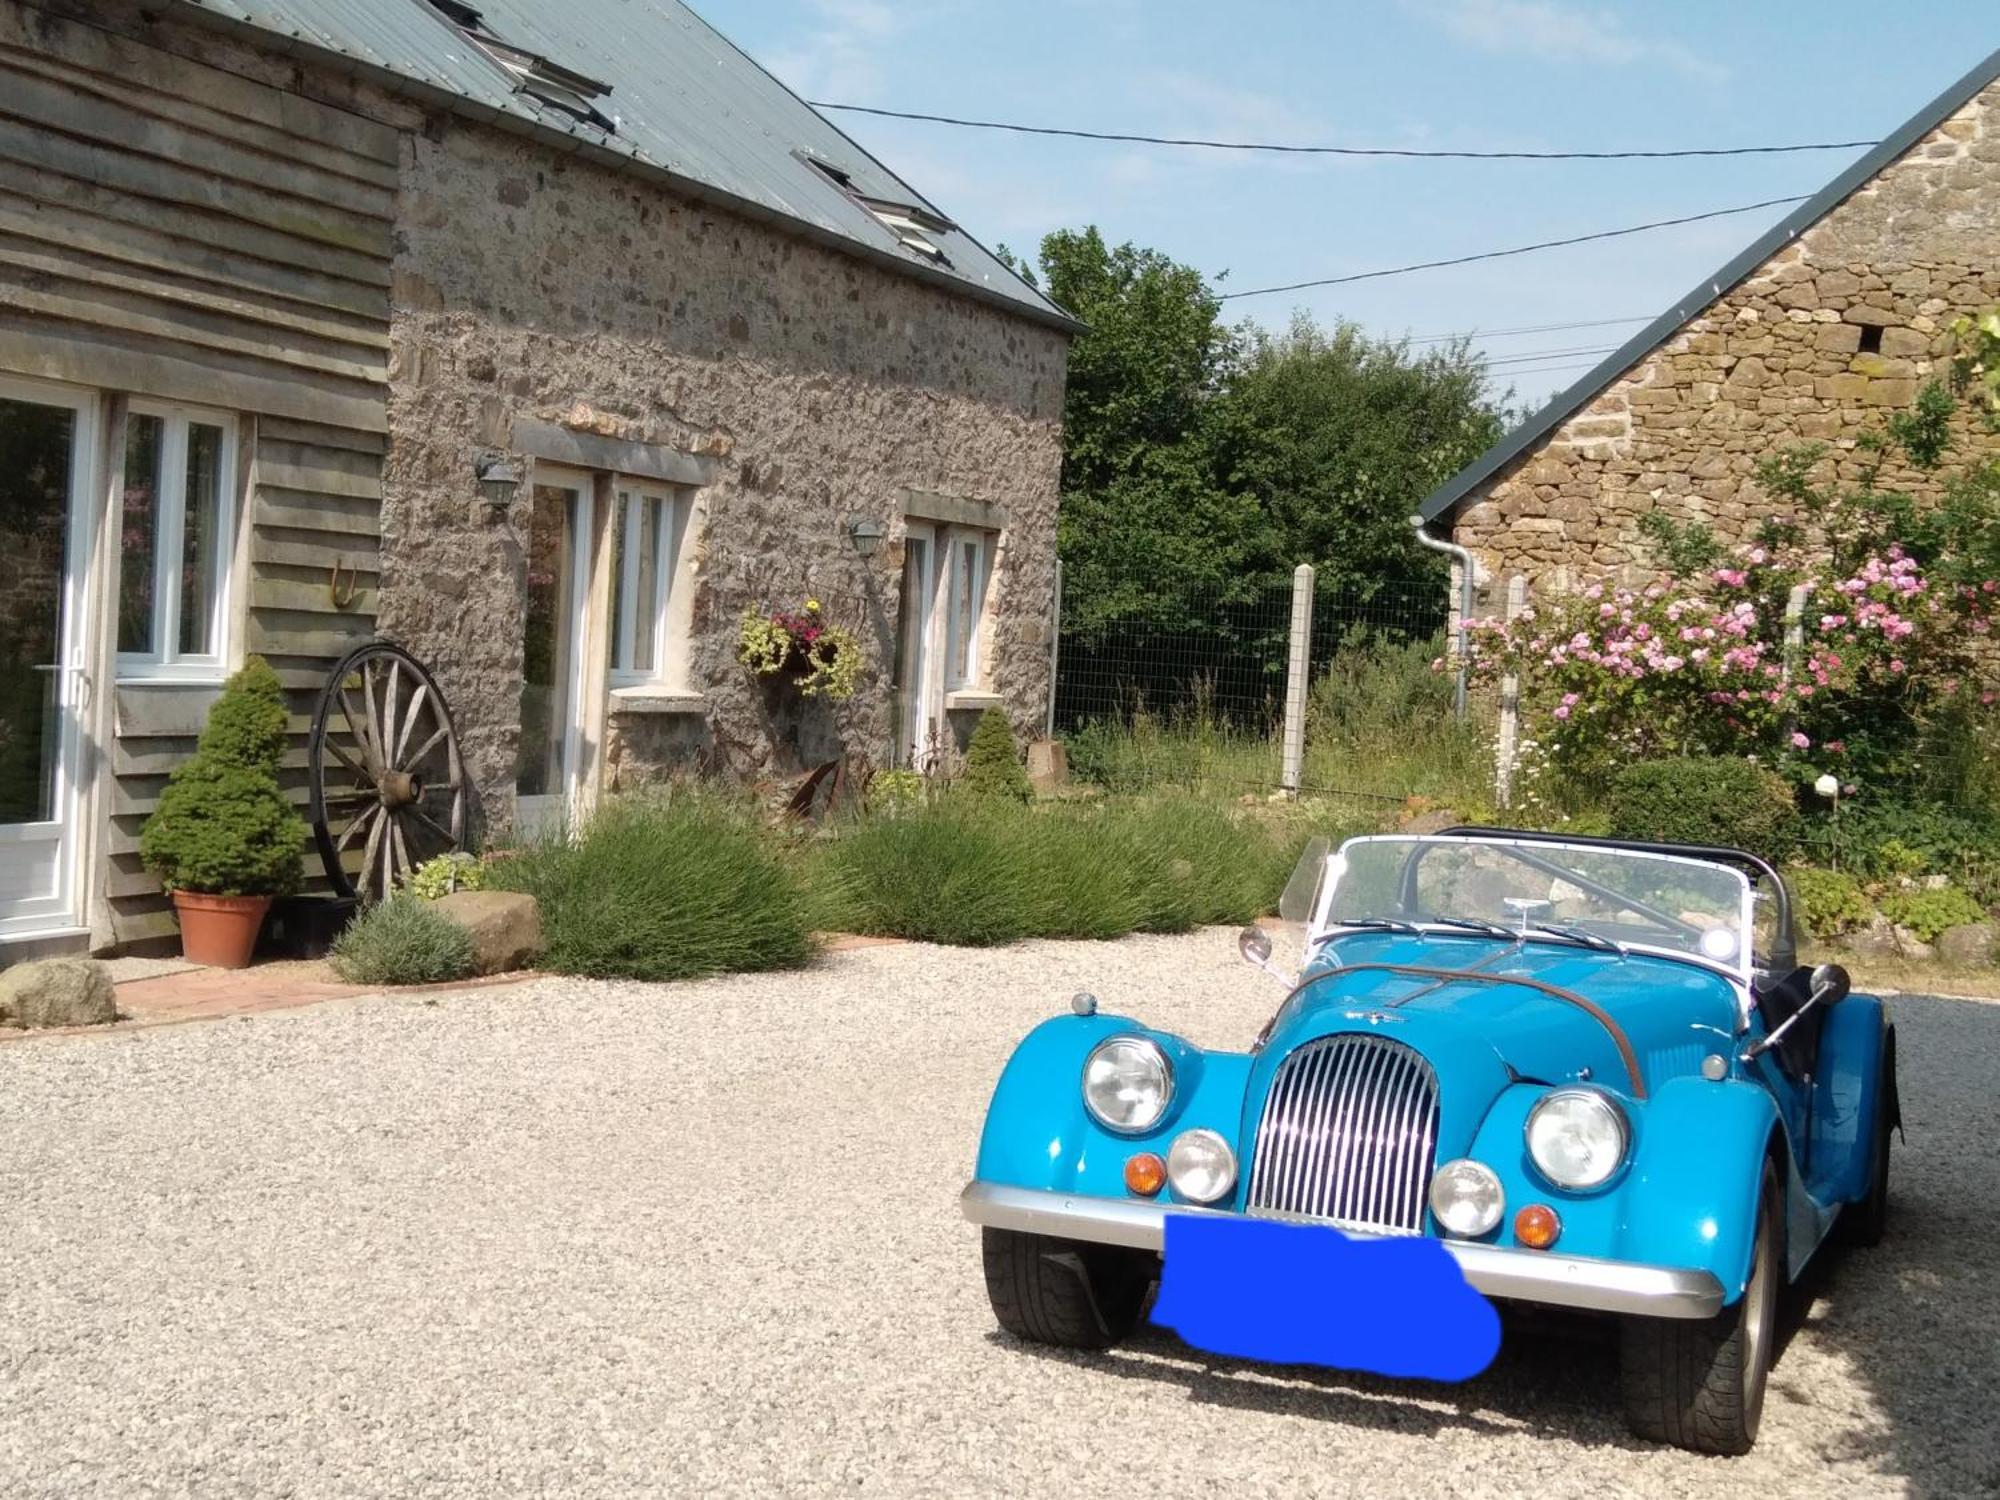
(611, 1239)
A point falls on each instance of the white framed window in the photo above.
(649, 524)
(177, 530)
(969, 568)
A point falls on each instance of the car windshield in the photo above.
(1552, 892)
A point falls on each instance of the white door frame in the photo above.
(60, 912)
(923, 650)
(565, 806)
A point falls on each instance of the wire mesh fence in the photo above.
(1191, 694)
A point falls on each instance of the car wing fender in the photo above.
(1690, 1194)
(1857, 1076)
(1039, 1135)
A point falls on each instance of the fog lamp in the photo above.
(1201, 1166)
(1467, 1198)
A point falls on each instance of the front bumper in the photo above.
(1576, 1281)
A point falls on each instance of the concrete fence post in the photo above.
(1055, 649)
(1506, 747)
(1795, 626)
(1298, 669)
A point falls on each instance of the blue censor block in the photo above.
(1306, 1294)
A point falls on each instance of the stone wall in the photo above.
(1818, 344)
(530, 285)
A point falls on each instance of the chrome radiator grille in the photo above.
(1348, 1132)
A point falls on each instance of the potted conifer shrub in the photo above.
(223, 840)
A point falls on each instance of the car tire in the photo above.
(1699, 1384)
(1065, 1292)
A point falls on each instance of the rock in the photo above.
(1433, 820)
(58, 992)
(1876, 940)
(1909, 945)
(505, 927)
(1975, 945)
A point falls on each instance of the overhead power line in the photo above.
(1133, 137)
(1478, 334)
(1461, 260)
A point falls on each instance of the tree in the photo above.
(1145, 525)
(1338, 437)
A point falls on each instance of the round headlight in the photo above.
(1201, 1166)
(1127, 1082)
(1577, 1137)
(1467, 1198)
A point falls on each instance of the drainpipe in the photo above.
(1464, 560)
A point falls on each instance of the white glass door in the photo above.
(546, 781)
(44, 505)
(920, 678)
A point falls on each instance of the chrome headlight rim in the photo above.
(1488, 1178)
(1613, 1111)
(1166, 1067)
(1202, 1135)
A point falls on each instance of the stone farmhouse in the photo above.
(545, 340)
(1829, 321)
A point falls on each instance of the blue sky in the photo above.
(1483, 74)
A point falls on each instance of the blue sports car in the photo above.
(1592, 1070)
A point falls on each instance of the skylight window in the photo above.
(536, 76)
(914, 226)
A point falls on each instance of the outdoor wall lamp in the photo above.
(866, 533)
(499, 478)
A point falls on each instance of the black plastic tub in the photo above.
(305, 926)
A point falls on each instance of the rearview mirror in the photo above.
(1830, 984)
(1254, 943)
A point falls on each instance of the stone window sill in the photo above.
(645, 698)
(969, 699)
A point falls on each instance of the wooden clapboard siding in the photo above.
(176, 231)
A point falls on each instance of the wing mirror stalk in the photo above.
(1830, 984)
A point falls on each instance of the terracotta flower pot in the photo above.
(219, 931)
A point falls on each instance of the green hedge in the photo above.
(1706, 799)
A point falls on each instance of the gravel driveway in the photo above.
(612, 1239)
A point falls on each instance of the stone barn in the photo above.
(1828, 322)
(547, 340)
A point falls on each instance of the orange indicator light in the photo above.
(1537, 1226)
(1145, 1174)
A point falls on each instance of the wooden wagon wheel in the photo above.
(387, 782)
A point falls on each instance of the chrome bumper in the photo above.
(1577, 1281)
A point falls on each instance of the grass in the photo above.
(402, 941)
(677, 886)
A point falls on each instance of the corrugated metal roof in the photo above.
(685, 100)
(1710, 290)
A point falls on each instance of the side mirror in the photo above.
(1829, 986)
(1254, 943)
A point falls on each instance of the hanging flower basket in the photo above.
(819, 659)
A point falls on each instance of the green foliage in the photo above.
(1201, 463)
(223, 830)
(402, 941)
(246, 725)
(1829, 902)
(1926, 912)
(222, 826)
(1976, 366)
(992, 764)
(892, 792)
(975, 871)
(659, 888)
(1706, 799)
(1687, 548)
(1338, 437)
(1900, 841)
(446, 873)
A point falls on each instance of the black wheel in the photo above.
(1866, 1220)
(386, 782)
(1699, 1384)
(1065, 1292)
